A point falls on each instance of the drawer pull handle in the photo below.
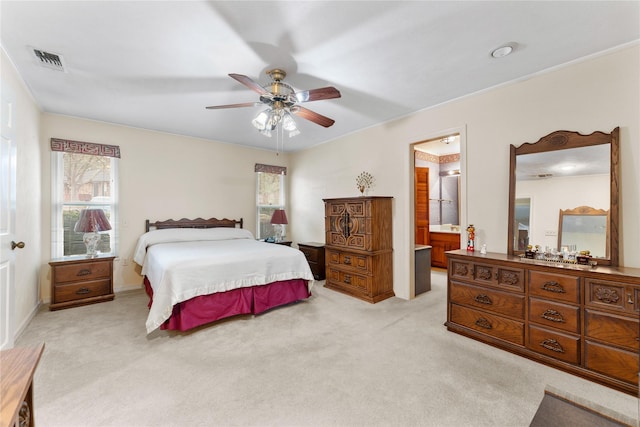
(347, 279)
(483, 299)
(553, 316)
(84, 272)
(554, 287)
(553, 345)
(83, 291)
(484, 323)
(347, 260)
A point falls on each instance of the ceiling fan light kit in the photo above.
(281, 100)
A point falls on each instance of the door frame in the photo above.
(462, 131)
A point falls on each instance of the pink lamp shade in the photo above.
(92, 221)
(279, 217)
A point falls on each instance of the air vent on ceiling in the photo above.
(543, 175)
(49, 60)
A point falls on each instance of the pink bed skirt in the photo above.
(253, 300)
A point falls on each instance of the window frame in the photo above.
(58, 206)
(260, 207)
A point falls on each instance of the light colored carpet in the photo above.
(330, 361)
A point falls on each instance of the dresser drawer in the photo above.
(558, 287)
(354, 239)
(555, 315)
(511, 305)
(611, 295)
(359, 263)
(511, 279)
(77, 291)
(84, 271)
(494, 325)
(612, 329)
(554, 344)
(347, 280)
(617, 363)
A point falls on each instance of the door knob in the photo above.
(15, 245)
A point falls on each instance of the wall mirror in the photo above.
(565, 171)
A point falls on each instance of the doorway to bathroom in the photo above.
(437, 189)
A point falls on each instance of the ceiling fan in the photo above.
(282, 101)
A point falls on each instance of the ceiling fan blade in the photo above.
(328, 92)
(249, 83)
(244, 104)
(312, 116)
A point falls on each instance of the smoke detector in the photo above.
(49, 60)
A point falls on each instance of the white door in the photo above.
(7, 217)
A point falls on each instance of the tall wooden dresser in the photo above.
(359, 247)
(581, 320)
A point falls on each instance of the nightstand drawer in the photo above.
(84, 271)
(310, 253)
(314, 252)
(79, 281)
(77, 291)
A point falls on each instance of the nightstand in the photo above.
(81, 281)
(284, 242)
(314, 252)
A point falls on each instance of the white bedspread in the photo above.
(179, 270)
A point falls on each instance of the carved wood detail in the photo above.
(607, 295)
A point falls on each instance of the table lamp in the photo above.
(91, 223)
(278, 220)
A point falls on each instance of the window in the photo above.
(84, 176)
(270, 195)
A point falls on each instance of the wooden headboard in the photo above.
(194, 223)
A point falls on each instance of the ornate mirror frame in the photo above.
(562, 140)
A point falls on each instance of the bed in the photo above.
(202, 270)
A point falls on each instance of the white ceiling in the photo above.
(157, 64)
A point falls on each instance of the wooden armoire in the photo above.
(359, 246)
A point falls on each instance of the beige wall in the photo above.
(599, 93)
(28, 195)
(161, 176)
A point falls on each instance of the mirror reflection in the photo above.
(568, 178)
(584, 228)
